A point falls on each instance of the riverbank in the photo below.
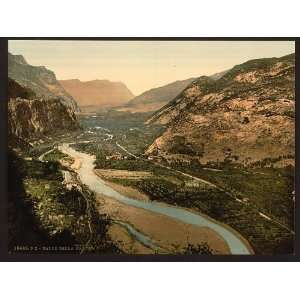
(122, 189)
(170, 234)
(88, 177)
(134, 193)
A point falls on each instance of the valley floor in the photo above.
(256, 202)
(254, 205)
(169, 234)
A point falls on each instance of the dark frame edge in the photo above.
(3, 152)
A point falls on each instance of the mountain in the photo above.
(156, 98)
(39, 79)
(218, 75)
(245, 116)
(97, 94)
(32, 117)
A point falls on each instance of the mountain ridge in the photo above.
(156, 98)
(39, 79)
(237, 117)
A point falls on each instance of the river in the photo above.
(87, 176)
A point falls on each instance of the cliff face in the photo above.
(247, 115)
(33, 117)
(97, 94)
(39, 79)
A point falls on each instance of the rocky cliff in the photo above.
(245, 116)
(32, 117)
(16, 90)
(97, 94)
(39, 79)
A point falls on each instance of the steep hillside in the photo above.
(30, 116)
(245, 116)
(97, 94)
(15, 90)
(39, 79)
(154, 99)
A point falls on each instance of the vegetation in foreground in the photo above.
(45, 216)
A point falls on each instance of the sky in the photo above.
(143, 65)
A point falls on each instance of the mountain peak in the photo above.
(39, 79)
(18, 58)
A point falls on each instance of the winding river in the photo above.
(87, 176)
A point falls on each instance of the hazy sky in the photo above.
(142, 65)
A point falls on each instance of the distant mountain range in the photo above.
(244, 116)
(155, 98)
(39, 79)
(96, 95)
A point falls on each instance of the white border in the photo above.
(57, 281)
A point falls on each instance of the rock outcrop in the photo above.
(34, 117)
(246, 116)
